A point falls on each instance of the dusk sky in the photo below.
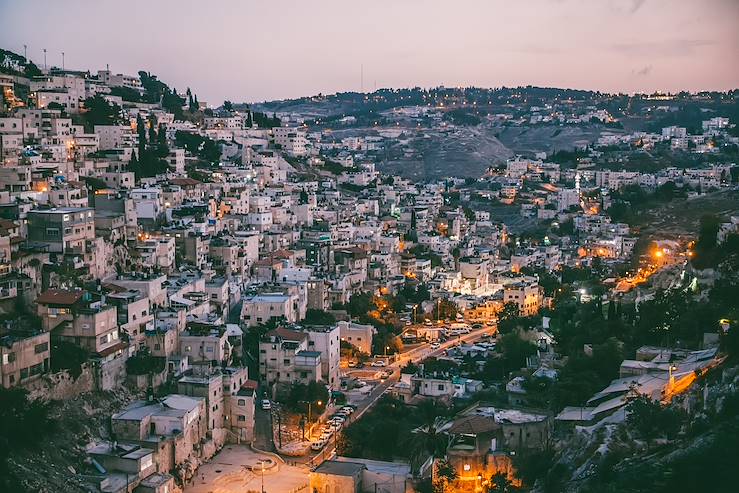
(253, 51)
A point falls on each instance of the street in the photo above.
(414, 355)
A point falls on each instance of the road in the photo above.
(414, 355)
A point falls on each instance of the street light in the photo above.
(310, 405)
(262, 463)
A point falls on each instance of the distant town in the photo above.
(409, 290)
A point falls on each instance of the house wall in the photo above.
(329, 483)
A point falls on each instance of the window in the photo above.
(242, 402)
(188, 349)
(240, 417)
(441, 387)
(11, 357)
(286, 362)
(157, 347)
(40, 348)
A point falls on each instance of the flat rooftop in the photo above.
(340, 468)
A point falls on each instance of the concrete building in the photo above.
(326, 340)
(264, 307)
(337, 477)
(526, 293)
(24, 355)
(358, 335)
(284, 357)
(62, 230)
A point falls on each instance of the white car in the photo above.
(266, 405)
(435, 345)
(348, 409)
(379, 363)
(317, 445)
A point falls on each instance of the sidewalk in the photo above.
(230, 472)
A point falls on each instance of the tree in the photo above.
(499, 483)
(445, 309)
(650, 419)
(152, 130)
(228, 106)
(508, 318)
(56, 106)
(705, 247)
(133, 163)
(428, 440)
(141, 131)
(318, 317)
(162, 137)
(515, 351)
(205, 148)
(445, 474)
(23, 426)
(301, 394)
(359, 304)
(98, 111)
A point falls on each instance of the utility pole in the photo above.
(44, 59)
(25, 56)
(62, 61)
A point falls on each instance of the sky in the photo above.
(250, 51)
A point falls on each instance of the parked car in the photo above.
(435, 345)
(348, 409)
(379, 363)
(318, 445)
(338, 418)
(266, 405)
(477, 326)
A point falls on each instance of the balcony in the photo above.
(8, 292)
(307, 360)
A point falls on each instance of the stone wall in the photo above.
(111, 373)
(61, 385)
(141, 382)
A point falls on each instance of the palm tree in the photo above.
(430, 439)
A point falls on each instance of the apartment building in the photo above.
(526, 293)
(62, 230)
(264, 307)
(24, 355)
(284, 357)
